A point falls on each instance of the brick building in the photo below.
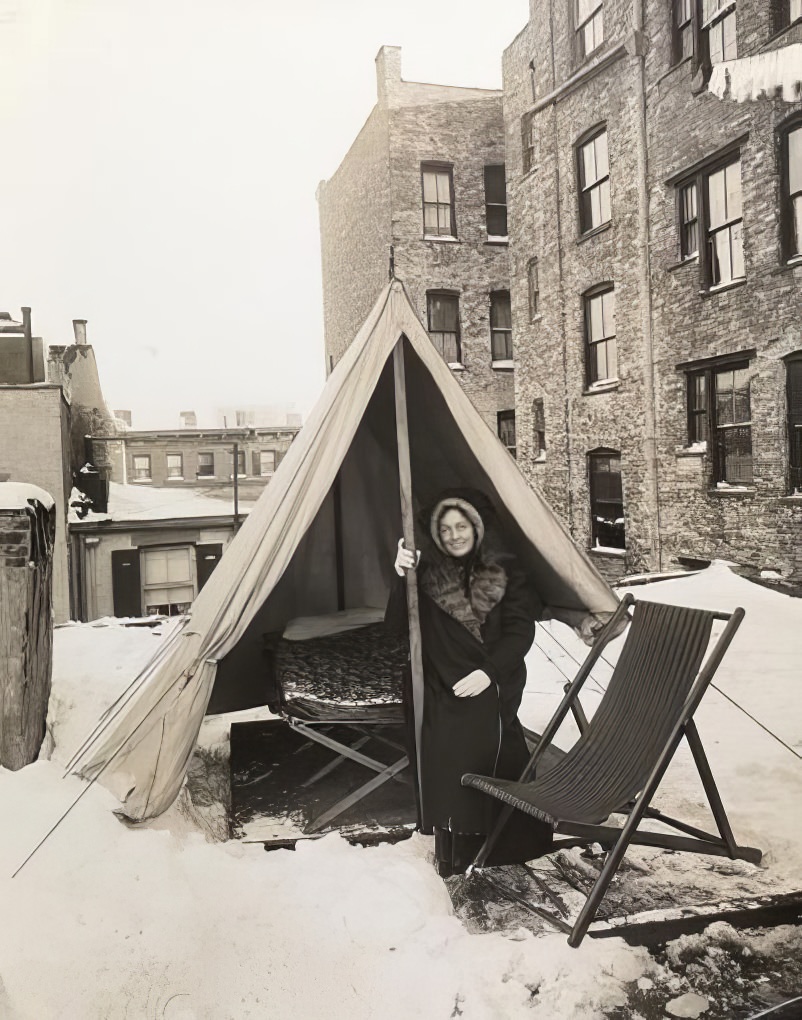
(656, 276)
(201, 459)
(426, 176)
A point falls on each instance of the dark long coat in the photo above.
(479, 734)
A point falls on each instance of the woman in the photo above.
(477, 617)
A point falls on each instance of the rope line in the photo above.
(715, 687)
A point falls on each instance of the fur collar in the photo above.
(467, 600)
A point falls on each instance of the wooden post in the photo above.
(26, 631)
(408, 529)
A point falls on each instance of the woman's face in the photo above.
(456, 533)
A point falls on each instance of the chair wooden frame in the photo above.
(614, 838)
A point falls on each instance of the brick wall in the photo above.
(374, 201)
(662, 318)
(760, 528)
(34, 438)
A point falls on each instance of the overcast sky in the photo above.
(158, 167)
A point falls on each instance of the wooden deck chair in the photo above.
(619, 759)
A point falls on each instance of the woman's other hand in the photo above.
(472, 684)
(405, 559)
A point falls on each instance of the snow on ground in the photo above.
(109, 921)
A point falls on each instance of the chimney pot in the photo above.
(79, 329)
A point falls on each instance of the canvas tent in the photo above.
(322, 537)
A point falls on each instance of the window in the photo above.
(724, 228)
(142, 467)
(793, 378)
(600, 347)
(264, 463)
(506, 429)
(534, 292)
(719, 414)
(438, 200)
(589, 22)
(718, 30)
(712, 198)
(205, 465)
(538, 427)
(683, 29)
(528, 142)
(606, 500)
(791, 156)
(175, 465)
(496, 201)
(241, 463)
(594, 182)
(168, 585)
(443, 317)
(792, 11)
(688, 221)
(500, 326)
(533, 76)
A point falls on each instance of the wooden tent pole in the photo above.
(408, 529)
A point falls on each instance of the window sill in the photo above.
(789, 265)
(720, 288)
(697, 450)
(594, 232)
(691, 260)
(445, 238)
(455, 366)
(141, 481)
(497, 242)
(175, 478)
(794, 499)
(536, 318)
(206, 478)
(607, 550)
(733, 492)
(540, 459)
(503, 365)
(606, 386)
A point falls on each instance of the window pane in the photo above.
(596, 318)
(795, 159)
(443, 313)
(602, 165)
(729, 37)
(735, 455)
(722, 264)
(732, 175)
(497, 220)
(797, 245)
(495, 185)
(430, 219)
(533, 289)
(737, 251)
(740, 395)
(608, 312)
(724, 387)
(589, 164)
(429, 187)
(500, 310)
(444, 188)
(604, 202)
(444, 219)
(717, 198)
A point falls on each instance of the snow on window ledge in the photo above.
(503, 363)
(602, 386)
(725, 489)
(441, 237)
(693, 450)
(608, 550)
(718, 288)
(456, 366)
(498, 239)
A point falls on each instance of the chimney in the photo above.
(79, 329)
(26, 329)
(189, 420)
(388, 73)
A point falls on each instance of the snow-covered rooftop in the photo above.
(151, 503)
(19, 495)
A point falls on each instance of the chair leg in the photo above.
(709, 784)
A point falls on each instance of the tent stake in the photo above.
(408, 529)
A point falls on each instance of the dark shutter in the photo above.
(207, 557)
(125, 582)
